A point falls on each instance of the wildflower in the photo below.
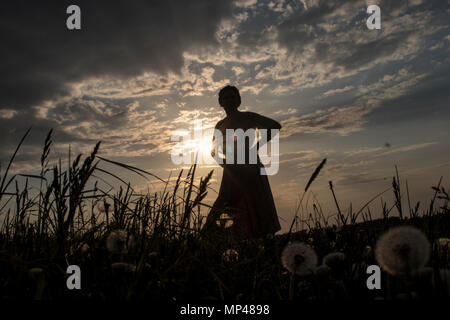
(122, 267)
(402, 250)
(230, 255)
(299, 258)
(119, 242)
(225, 221)
(35, 273)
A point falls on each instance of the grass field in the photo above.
(135, 246)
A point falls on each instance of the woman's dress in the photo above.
(245, 193)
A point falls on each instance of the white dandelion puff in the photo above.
(334, 260)
(119, 242)
(401, 250)
(299, 258)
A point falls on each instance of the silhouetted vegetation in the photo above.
(152, 246)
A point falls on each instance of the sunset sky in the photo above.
(366, 100)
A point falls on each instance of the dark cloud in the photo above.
(365, 53)
(141, 146)
(12, 130)
(104, 114)
(40, 57)
(294, 32)
(336, 31)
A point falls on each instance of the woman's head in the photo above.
(229, 98)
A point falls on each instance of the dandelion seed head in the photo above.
(334, 260)
(119, 242)
(299, 258)
(401, 250)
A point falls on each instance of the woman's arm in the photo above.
(264, 122)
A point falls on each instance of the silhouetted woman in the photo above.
(244, 193)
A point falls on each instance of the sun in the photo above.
(204, 146)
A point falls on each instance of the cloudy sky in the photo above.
(366, 100)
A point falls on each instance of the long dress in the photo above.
(245, 193)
